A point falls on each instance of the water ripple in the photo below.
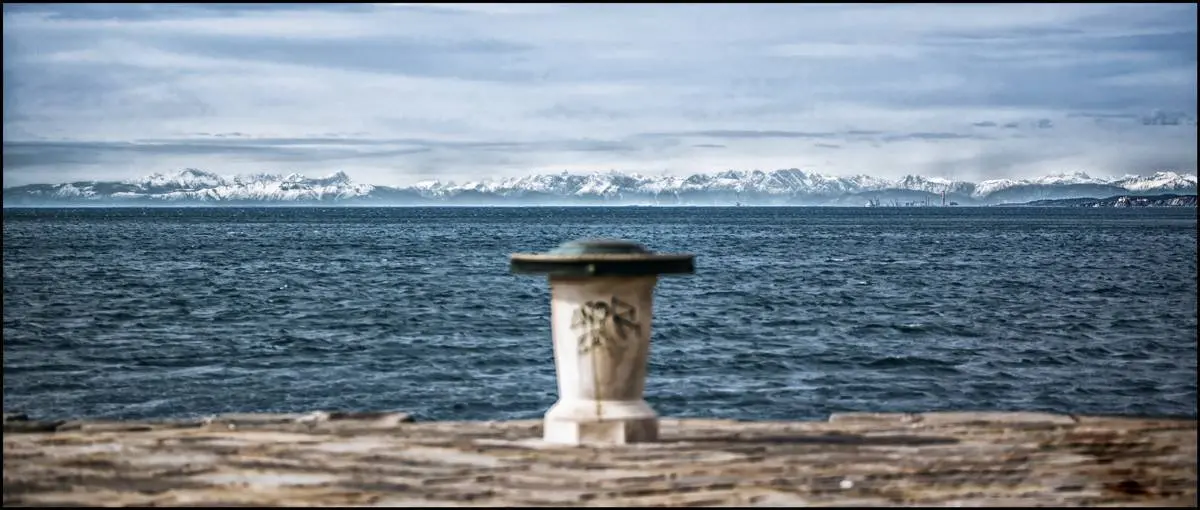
(793, 313)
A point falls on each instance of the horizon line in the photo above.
(664, 174)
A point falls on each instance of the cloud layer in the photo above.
(398, 93)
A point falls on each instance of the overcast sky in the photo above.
(398, 93)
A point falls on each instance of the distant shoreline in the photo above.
(779, 188)
(1116, 201)
(347, 206)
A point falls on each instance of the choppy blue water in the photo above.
(793, 312)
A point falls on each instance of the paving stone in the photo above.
(384, 459)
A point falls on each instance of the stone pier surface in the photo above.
(384, 459)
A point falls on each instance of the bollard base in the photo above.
(638, 430)
(579, 422)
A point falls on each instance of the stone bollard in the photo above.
(601, 293)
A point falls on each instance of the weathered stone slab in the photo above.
(381, 459)
(874, 417)
(1023, 418)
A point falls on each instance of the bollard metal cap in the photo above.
(601, 257)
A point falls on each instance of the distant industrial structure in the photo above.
(874, 202)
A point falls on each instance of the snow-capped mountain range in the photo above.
(779, 187)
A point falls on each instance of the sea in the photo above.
(792, 313)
